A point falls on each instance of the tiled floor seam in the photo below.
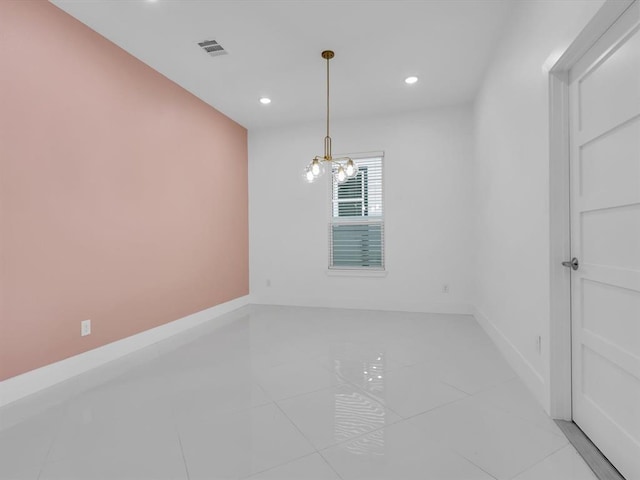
(467, 395)
(486, 388)
(360, 435)
(296, 427)
(526, 420)
(235, 411)
(184, 459)
(372, 397)
(400, 419)
(410, 417)
(278, 466)
(54, 437)
(475, 465)
(315, 450)
(539, 461)
(301, 394)
(330, 466)
(44, 460)
(458, 388)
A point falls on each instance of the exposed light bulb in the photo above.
(341, 175)
(315, 167)
(265, 100)
(410, 80)
(308, 175)
(351, 168)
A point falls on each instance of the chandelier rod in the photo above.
(328, 96)
(328, 55)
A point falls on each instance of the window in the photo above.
(356, 231)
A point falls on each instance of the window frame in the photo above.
(342, 270)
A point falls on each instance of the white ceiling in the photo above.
(274, 50)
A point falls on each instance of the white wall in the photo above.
(512, 183)
(428, 213)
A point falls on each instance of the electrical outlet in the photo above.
(445, 288)
(85, 328)
(539, 344)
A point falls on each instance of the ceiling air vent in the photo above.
(212, 48)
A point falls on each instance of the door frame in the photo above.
(560, 403)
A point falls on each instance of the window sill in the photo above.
(335, 272)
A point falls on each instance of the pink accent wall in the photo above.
(123, 198)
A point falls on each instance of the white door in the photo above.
(605, 237)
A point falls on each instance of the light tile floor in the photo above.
(295, 393)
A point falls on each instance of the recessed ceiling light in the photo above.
(152, 1)
(411, 80)
(265, 100)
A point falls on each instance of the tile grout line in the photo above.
(54, 438)
(522, 418)
(172, 408)
(330, 466)
(411, 417)
(315, 450)
(486, 388)
(474, 464)
(299, 394)
(541, 460)
(456, 388)
(319, 452)
(295, 426)
(184, 458)
(467, 394)
(497, 408)
(400, 418)
(371, 397)
(248, 477)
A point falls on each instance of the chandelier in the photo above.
(342, 168)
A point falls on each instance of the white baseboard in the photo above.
(431, 307)
(527, 373)
(31, 382)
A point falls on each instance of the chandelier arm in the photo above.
(332, 160)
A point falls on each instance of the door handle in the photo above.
(574, 264)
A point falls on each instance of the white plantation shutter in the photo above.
(356, 230)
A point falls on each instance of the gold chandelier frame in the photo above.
(346, 167)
